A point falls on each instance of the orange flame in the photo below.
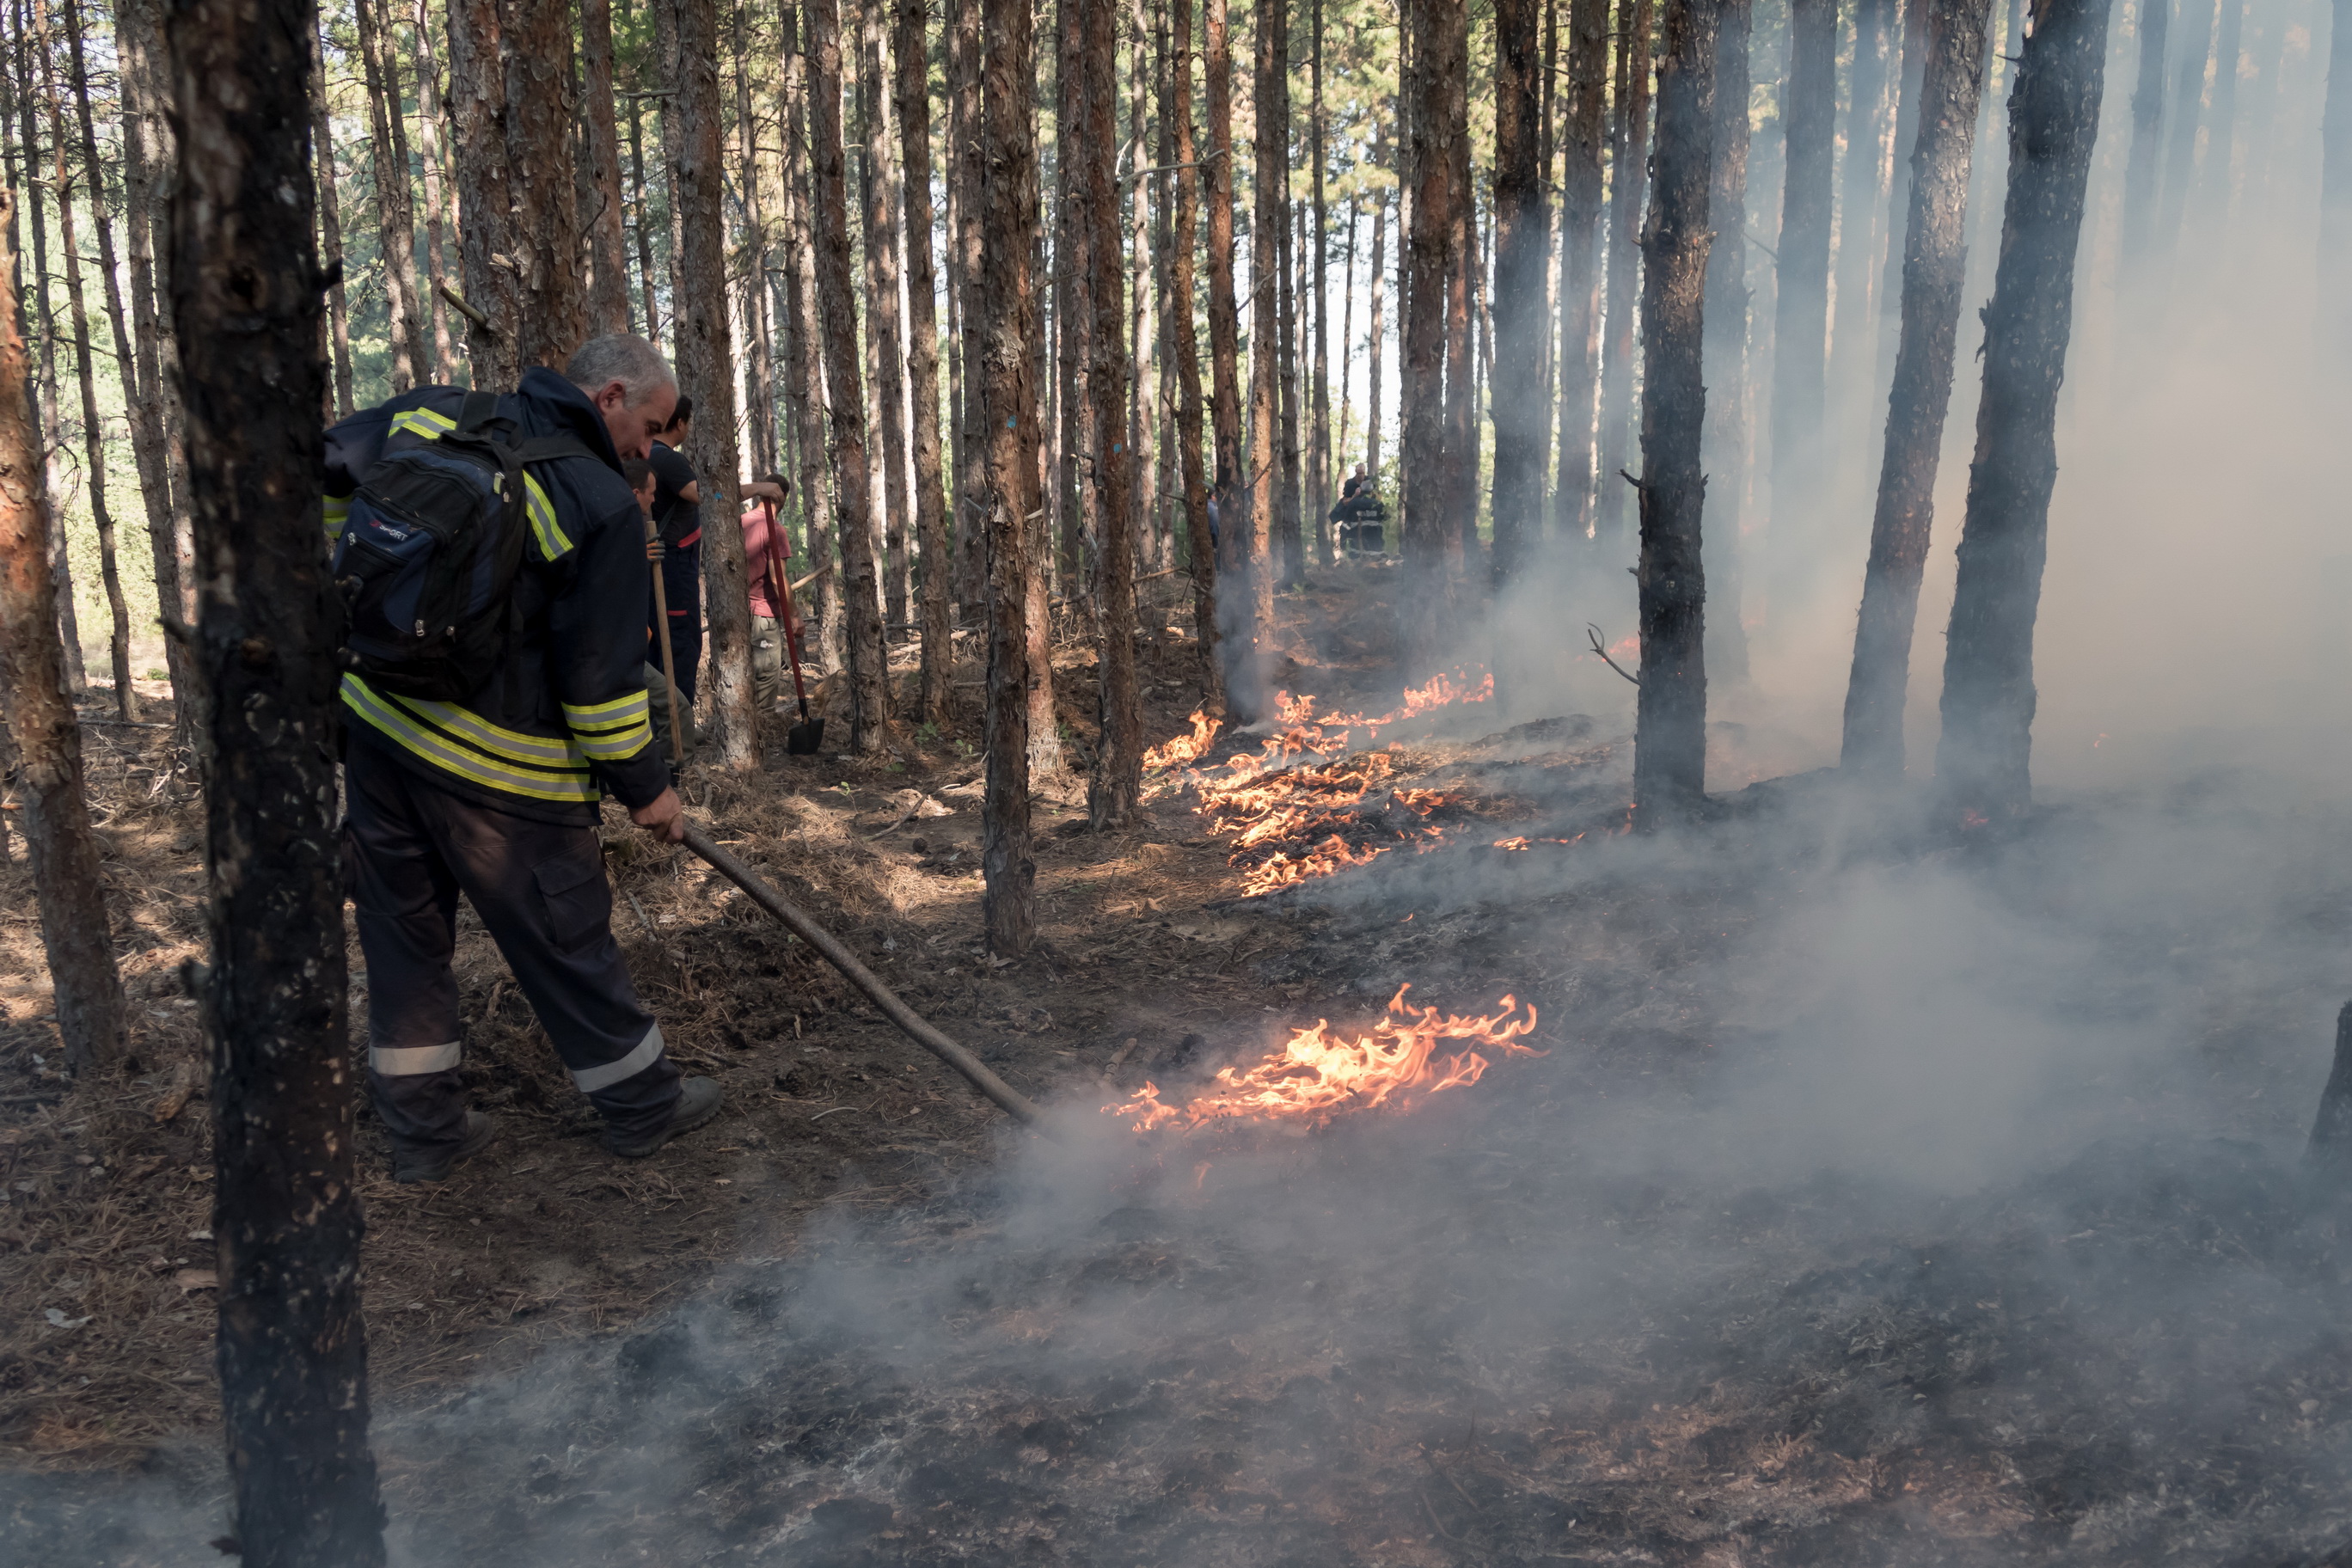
(1182, 749)
(1319, 1075)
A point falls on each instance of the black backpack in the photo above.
(429, 552)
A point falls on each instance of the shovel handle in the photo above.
(781, 588)
(669, 657)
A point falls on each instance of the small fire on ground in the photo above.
(1298, 809)
(1321, 1075)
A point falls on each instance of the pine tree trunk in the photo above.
(759, 360)
(1146, 437)
(1116, 786)
(666, 67)
(477, 135)
(966, 252)
(935, 693)
(1451, 60)
(870, 688)
(1290, 549)
(2148, 138)
(1318, 454)
(432, 138)
(292, 1348)
(1430, 540)
(1522, 241)
(1374, 333)
(2196, 56)
(803, 320)
(1860, 259)
(2336, 186)
(1347, 355)
(1982, 761)
(1727, 341)
(1911, 52)
(93, 433)
(331, 222)
(1072, 325)
(52, 808)
(2214, 183)
(1670, 710)
(1628, 187)
(1225, 315)
(649, 289)
(395, 209)
(1177, 145)
(1004, 314)
(1935, 272)
(1800, 300)
(1253, 633)
(883, 320)
(550, 320)
(607, 243)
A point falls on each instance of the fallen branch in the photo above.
(1592, 633)
(457, 301)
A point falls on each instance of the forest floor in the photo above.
(1640, 1298)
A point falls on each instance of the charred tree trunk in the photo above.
(1224, 314)
(1935, 271)
(1073, 320)
(1450, 61)
(1912, 54)
(1628, 187)
(607, 242)
(1289, 549)
(292, 1347)
(478, 134)
(1117, 780)
(1982, 761)
(760, 363)
(1522, 258)
(2331, 1132)
(1002, 301)
(1252, 642)
(550, 319)
(706, 362)
(1319, 456)
(1670, 726)
(935, 694)
(44, 325)
(1801, 294)
(432, 137)
(882, 322)
(51, 806)
(1727, 341)
(1177, 151)
(1430, 539)
(412, 362)
(869, 680)
(967, 168)
(93, 433)
(1373, 332)
(1869, 130)
(330, 223)
(2147, 134)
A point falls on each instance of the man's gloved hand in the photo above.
(654, 549)
(663, 817)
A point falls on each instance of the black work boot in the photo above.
(698, 1102)
(435, 1165)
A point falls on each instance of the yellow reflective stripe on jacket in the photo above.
(512, 745)
(619, 711)
(551, 540)
(616, 745)
(337, 512)
(413, 735)
(423, 421)
(612, 730)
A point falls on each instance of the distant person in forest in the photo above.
(476, 750)
(677, 513)
(767, 563)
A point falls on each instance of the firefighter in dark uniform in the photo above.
(677, 513)
(497, 796)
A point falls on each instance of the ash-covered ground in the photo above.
(1877, 1202)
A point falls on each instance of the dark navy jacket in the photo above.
(565, 712)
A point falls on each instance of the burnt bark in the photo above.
(1726, 340)
(432, 137)
(1253, 637)
(1373, 331)
(1073, 322)
(551, 320)
(1670, 724)
(1627, 190)
(292, 1347)
(52, 808)
(1319, 456)
(2331, 1132)
(882, 322)
(1225, 319)
(1911, 55)
(1801, 295)
(395, 213)
(1431, 540)
(1870, 126)
(331, 225)
(967, 168)
(1006, 314)
(1116, 782)
(606, 242)
(1183, 335)
(935, 691)
(1449, 60)
(869, 689)
(477, 135)
(1935, 271)
(1982, 761)
(1522, 259)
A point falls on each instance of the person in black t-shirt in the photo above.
(677, 512)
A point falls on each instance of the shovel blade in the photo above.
(802, 739)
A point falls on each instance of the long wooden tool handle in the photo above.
(670, 658)
(782, 590)
(916, 1025)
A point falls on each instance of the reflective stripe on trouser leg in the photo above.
(407, 1061)
(649, 1051)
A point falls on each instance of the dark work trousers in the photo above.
(409, 850)
(681, 570)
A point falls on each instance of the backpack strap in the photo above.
(479, 411)
(547, 448)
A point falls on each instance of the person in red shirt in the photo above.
(767, 564)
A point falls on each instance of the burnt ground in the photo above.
(1878, 1200)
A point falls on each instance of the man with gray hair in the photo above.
(493, 691)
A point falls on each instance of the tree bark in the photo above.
(1800, 297)
(2211, 208)
(1868, 165)
(705, 361)
(478, 134)
(1374, 331)
(52, 808)
(1449, 59)
(432, 137)
(1225, 315)
(1911, 50)
(760, 366)
(2147, 135)
(967, 168)
(1004, 315)
(1253, 637)
(1982, 761)
(331, 221)
(607, 241)
(1346, 350)
(550, 320)
(1319, 456)
(1430, 540)
(1183, 335)
(1670, 723)
(869, 687)
(394, 208)
(1522, 247)
(1628, 187)
(883, 321)
(804, 316)
(1117, 783)
(292, 1347)
(1935, 272)
(1726, 340)
(935, 692)
(93, 433)
(1073, 320)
